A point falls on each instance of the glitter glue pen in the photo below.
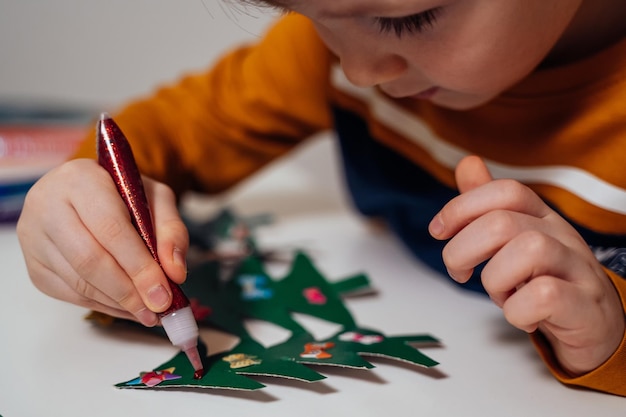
(116, 156)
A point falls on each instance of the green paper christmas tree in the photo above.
(248, 292)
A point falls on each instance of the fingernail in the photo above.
(461, 277)
(436, 226)
(179, 259)
(158, 297)
(147, 317)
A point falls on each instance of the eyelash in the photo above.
(416, 23)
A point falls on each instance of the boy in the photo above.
(412, 87)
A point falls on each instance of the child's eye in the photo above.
(415, 23)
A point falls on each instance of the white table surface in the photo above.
(54, 363)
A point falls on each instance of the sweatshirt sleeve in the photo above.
(610, 377)
(213, 129)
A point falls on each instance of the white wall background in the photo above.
(101, 53)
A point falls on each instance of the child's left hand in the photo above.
(539, 271)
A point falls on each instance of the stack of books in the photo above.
(33, 140)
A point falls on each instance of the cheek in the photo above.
(494, 50)
(479, 69)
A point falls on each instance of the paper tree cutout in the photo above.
(250, 293)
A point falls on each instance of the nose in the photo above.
(368, 69)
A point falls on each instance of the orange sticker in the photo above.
(317, 350)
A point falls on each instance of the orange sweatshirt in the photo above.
(562, 131)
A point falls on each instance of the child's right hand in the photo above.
(80, 245)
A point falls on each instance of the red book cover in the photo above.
(27, 151)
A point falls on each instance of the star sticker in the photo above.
(154, 378)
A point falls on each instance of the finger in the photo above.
(171, 233)
(55, 237)
(96, 267)
(145, 317)
(107, 217)
(482, 239)
(62, 290)
(506, 195)
(582, 332)
(63, 283)
(58, 224)
(53, 275)
(470, 173)
(546, 298)
(99, 242)
(528, 255)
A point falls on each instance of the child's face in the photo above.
(456, 53)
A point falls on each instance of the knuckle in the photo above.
(500, 223)
(74, 172)
(21, 229)
(36, 198)
(178, 231)
(164, 190)
(457, 265)
(31, 199)
(516, 195)
(43, 278)
(455, 209)
(447, 254)
(126, 297)
(160, 191)
(110, 228)
(596, 289)
(141, 271)
(86, 263)
(84, 289)
(535, 243)
(144, 272)
(546, 292)
(513, 190)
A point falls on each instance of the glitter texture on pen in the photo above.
(116, 156)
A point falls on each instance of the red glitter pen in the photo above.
(116, 156)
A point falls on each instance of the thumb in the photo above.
(471, 172)
(171, 233)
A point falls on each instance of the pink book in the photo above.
(27, 151)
